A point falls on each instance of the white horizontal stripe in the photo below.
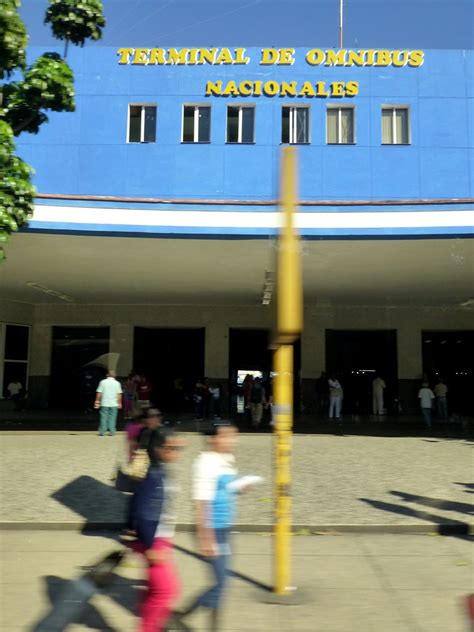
(221, 219)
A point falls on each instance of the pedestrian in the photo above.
(215, 489)
(378, 386)
(246, 390)
(322, 394)
(129, 395)
(336, 395)
(15, 389)
(108, 399)
(144, 389)
(215, 391)
(441, 390)
(257, 402)
(155, 526)
(132, 431)
(426, 397)
(198, 400)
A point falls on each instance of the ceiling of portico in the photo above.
(122, 270)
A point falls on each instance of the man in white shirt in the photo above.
(15, 388)
(108, 398)
(426, 397)
(378, 386)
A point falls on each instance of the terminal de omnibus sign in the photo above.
(273, 57)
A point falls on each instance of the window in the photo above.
(14, 348)
(295, 125)
(196, 124)
(340, 126)
(141, 123)
(240, 124)
(395, 125)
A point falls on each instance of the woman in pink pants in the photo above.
(155, 532)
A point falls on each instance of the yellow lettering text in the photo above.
(286, 56)
(355, 58)
(207, 55)
(321, 89)
(230, 90)
(307, 90)
(335, 58)
(124, 55)
(315, 57)
(157, 56)
(288, 89)
(352, 88)
(416, 58)
(271, 88)
(269, 56)
(141, 56)
(337, 89)
(224, 57)
(179, 57)
(240, 57)
(383, 58)
(213, 88)
(245, 88)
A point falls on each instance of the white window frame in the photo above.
(196, 107)
(339, 107)
(292, 124)
(240, 124)
(142, 122)
(394, 108)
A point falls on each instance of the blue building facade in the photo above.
(87, 152)
(181, 148)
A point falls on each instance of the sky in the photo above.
(392, 24)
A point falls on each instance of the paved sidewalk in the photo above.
(356, 583)
(393, 482)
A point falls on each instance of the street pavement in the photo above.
(65, 479)
(347, 583)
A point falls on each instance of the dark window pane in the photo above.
(232, 125)
(204, 125)
(14, 372)
(150, 124)
(134, 126)
(248, 116)
(285, 125)
(16, 342)
(188, 123)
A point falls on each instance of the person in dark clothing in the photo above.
(154, 524)
(322, 394)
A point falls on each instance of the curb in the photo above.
(447, 528)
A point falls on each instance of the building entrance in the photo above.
(356, 357)
(172, 360)
(249, 354)
(76, 369)
(449, 355)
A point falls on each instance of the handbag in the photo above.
(138, 467)
(123, 482)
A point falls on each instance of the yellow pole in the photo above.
(283, 391)
(289, 297)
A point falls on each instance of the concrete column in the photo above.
(121, 341)
(216, 355)
(410, 360)
(410, 365)
(41, 337)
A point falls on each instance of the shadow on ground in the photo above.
(442, 525)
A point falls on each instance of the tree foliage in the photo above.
(76, 20)
(13, 38)
(46, 84)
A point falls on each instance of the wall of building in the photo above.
(408, 321)
(86, 152)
